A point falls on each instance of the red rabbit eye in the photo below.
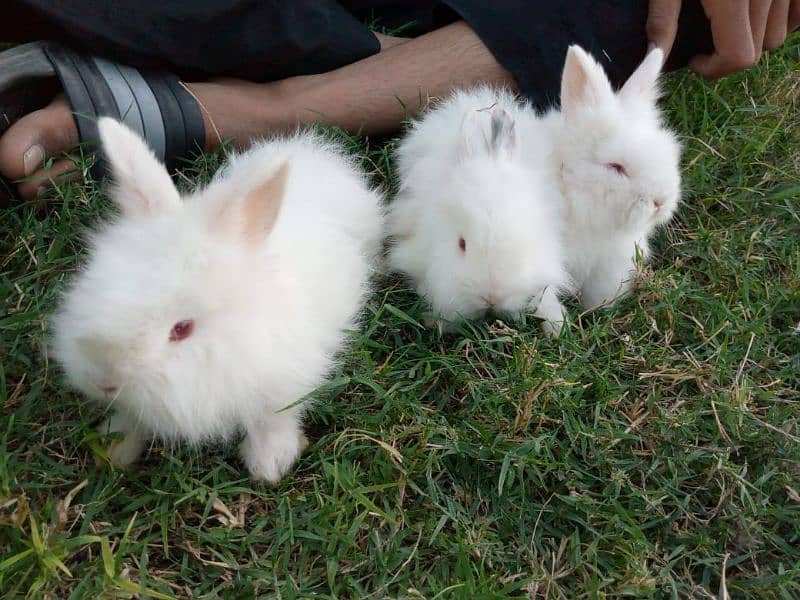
(462, 244)
(181, 330)
(618, 168)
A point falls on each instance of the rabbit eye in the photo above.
(620, 169)
(462, 244)
(181, 330)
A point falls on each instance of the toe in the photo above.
(57, 173)
(37, 136)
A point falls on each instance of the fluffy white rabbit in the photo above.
(618, 168)
(221, 310)
(473, 226)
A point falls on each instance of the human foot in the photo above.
(27, 147)
(32, 149)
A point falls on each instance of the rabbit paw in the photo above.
(271, 454)
(126, 451)
(552, 313)
(552, 329)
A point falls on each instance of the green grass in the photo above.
(652, 451)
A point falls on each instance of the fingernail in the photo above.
(32, 159)
(41, 190)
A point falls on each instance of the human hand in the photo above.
(741, 30)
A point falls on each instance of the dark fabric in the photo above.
(263, 40)
(530, 38)
(259, 40)
(408, 18)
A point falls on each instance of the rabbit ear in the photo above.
(475, 132)
(262, 205)
(583, 83)
(504, 133)
(142, 185)
(252, 217)
(488, 134)
(643, 83)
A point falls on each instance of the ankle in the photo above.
(237, 111)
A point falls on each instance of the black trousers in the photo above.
(264, 40)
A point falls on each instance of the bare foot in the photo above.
(32, 149)
(32, 141)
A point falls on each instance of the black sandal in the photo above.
(153, 104)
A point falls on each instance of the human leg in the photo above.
(373, 95)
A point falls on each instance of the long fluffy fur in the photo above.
(506, 212)
(269, 317)
(609, 217)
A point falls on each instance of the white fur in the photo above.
(462, 176)
(271, 308)
(609, 218)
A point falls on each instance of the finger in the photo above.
(794, 16)
(733, 39)
(759, 16)
(662, 23)
(777, 24)
(58, 172)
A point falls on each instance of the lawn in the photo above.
(652, 451)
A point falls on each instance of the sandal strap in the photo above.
(87, 91)
(154, 104)
(184, 129)
(136, 103)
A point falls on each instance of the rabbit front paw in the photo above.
(126, 451)
(552, 329)
(270, 454)
(552, 313)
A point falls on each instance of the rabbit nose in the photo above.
(658, 203)
(108, 390)
(491, 300)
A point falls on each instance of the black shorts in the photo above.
(264, 40)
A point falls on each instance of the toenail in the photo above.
(32, 159)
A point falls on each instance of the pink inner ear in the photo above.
(248, 216)
(262, 205)
(584, 82)
(576, 81)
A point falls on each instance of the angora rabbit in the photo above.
(220, 310)
(618, 168)
(473, 226)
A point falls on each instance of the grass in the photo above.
(652, 451)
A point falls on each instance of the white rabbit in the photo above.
(222, 310)
(618, 168)
(472, 225)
